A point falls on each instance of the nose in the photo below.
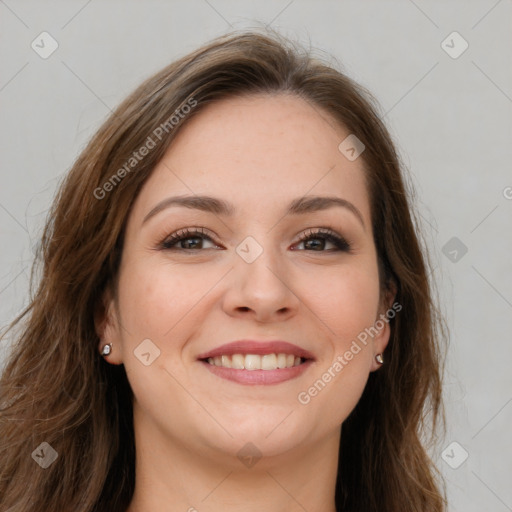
(261, 290)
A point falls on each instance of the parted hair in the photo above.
(56, 387)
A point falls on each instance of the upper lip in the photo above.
(257, 347)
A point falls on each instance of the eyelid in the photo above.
(342, 243)
(188, 232)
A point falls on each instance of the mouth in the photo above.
(251, 362)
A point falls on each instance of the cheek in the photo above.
(346, 300)
(347, 303)
(157, 303)
(157, 299)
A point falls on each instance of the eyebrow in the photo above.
(299, 206)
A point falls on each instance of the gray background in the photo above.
(450, 117)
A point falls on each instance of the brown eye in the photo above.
(186, 239)
(316, 240)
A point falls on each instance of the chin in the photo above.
(273, 433)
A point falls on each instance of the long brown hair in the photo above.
(57, 389)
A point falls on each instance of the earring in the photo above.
(106, 349)
(379, 359)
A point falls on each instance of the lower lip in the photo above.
(258, 377)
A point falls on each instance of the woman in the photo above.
(234, 311)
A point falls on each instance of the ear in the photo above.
(387, 310)
(106, 325)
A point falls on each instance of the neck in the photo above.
(169, 477)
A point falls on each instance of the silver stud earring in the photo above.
(379, 359)
(106, 349)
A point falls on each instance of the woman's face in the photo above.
(242, 272)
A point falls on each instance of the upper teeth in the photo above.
(256, 362)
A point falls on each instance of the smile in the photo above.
(253, 369)
(256, 362)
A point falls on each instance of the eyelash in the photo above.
(327, 234)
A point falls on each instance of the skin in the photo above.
(258, 153)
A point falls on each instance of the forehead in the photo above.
(258, 152)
